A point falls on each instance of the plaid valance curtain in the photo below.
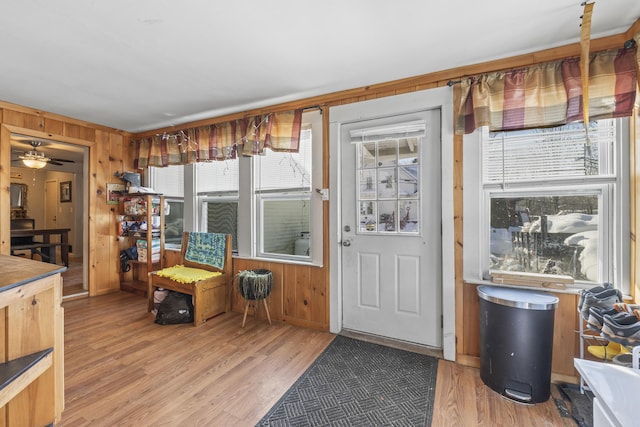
(247, 136)
(549, 94)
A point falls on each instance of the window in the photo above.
(169, 181)
(388, 182)
(388, 172)
(174, 221)
(551, 202)
(287, 201)
(267, 203)
(218, 184)
(283, 191)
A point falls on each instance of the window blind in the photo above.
(539, 154)
(279, 171)
(218, 177)
(414, 128)
(168, 181)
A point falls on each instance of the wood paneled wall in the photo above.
(565, 337)
(106, 151)
(299, 296)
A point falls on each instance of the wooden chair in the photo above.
(211, 296)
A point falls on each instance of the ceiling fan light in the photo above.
(34, 160)
(34, 163)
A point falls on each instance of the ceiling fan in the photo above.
(37, 160)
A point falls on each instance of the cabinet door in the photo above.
(30, 328)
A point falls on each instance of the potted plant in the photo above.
(254, 284)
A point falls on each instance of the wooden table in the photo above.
(46, 245)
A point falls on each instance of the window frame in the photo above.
(613, 209)
(263, 198)
(602, 191)
(170, 199)
(313, 119)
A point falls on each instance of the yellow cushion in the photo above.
(182, 274)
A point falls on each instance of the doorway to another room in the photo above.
(53, 174)
(74, 284)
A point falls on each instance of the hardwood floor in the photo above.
(463, 400)
(122, 369)
(73, 278)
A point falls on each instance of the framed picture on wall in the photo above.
(65, 191)
(114, 191)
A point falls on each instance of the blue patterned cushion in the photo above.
(206, 248)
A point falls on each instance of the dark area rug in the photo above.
(356, 383)
(574, 404)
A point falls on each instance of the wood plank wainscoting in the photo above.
(566, 342)
(299, 296)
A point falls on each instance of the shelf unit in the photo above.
(135, 210)
(588, 337)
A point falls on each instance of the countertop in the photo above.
(16, 271)
(616, 387)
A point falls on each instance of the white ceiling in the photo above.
(143, 64)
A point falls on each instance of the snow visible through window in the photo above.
(548, 193)
(549, 235)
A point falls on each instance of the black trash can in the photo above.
(516, 342)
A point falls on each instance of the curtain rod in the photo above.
(181, 133)
(629, 44)
(312, 107)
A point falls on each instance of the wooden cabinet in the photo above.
(32, 342)
(141, 225)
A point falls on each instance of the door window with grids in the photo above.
(388, 172)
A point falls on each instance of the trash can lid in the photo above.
(518, 298)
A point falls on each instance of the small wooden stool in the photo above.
(255, 285)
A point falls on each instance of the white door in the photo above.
(391, 227)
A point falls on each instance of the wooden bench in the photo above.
(210, 296)
(47, 251)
